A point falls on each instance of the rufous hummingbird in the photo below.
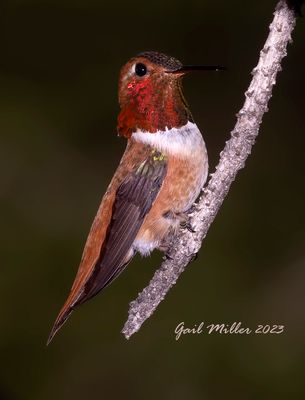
(161, 173)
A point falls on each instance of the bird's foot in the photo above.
(182, 218)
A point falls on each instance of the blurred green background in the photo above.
(59, 65)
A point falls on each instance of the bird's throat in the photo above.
(151, 108)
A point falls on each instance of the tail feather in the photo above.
(100, 278)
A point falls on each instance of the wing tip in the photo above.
(59, 322)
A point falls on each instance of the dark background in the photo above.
(59, 64)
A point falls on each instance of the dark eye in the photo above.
(140, 69)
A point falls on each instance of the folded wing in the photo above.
(133, 200)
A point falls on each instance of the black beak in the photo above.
(189, 68)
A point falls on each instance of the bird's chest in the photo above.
(183, 182)
(187, 166)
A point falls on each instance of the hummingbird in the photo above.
(160, 175)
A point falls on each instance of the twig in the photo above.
(186, 245)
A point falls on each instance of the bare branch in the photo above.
(186, 245)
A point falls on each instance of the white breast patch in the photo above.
(182, 142)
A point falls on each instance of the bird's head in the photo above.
(150, 93)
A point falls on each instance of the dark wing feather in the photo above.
(134, 199)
